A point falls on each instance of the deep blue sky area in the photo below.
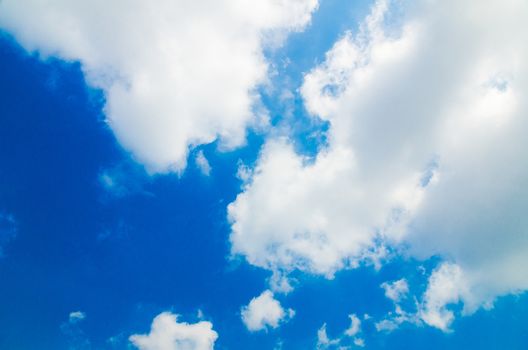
(161, 243)
(120, 258)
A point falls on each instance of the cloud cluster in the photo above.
(175, 74)
(167, 333)
(425, 150)
(447, 286)
(426, 144)
(322, 216)
(265, 311)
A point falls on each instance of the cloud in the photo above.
(355, 326)
(446, 285)
(351, 333)
(359, 342)
(175, 74)
(354, 330)
(393, 320)
(166, 333)
(387, 325)
(396, 290)
(202, 163)
(76, 316)
(72, 330)
(324, 215)
(425, 153)
(323, 342)
(264, 311)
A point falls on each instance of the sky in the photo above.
(274, 174)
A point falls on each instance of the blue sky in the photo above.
(103, 227)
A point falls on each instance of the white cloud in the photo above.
(323, 216)
(323, 342)
(355, 326)
(447, 285)
(167, 333)
(396, 290)
(359, 342)
(202, 163)
(264, 311)
(175, 74)
(76, 316)
(394, 319)
(72, 330)
(425, 149)
(352, 332)
(387, 325)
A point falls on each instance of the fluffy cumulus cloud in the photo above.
(265, 311)
(323, 215)
(175, 73)
(167, 333)
(425, 150)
